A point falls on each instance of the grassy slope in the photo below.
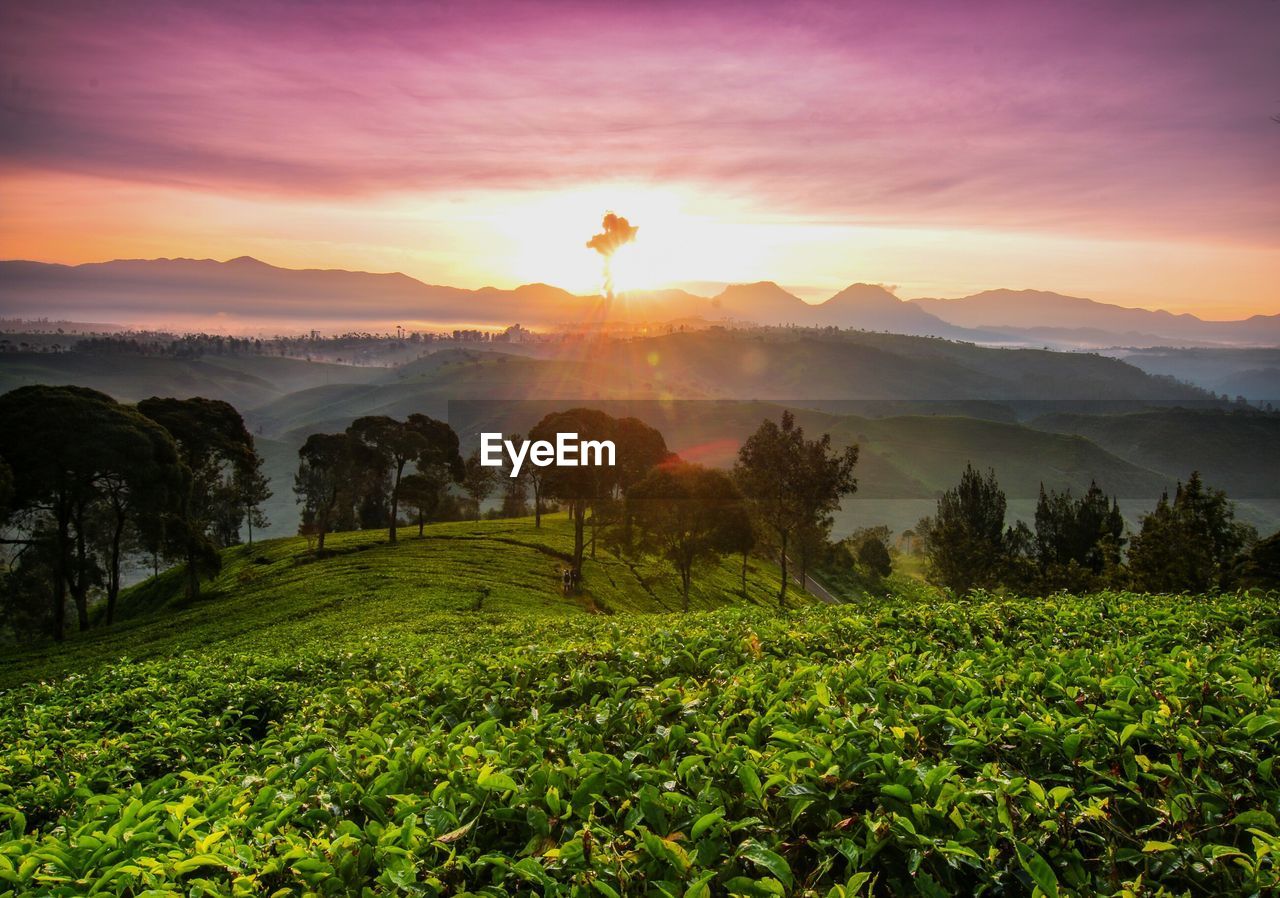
(371, 591)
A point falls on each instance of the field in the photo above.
(347, 726)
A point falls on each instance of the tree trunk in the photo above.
(193, 572)
(684, 583)
(80, 587)
(579, 511)
(782, 591)
(419, 522)
(63, 547)
(395, 502)
(537, 503)
(593, 533)
(744, 575)
(320, 541)
(113, 574)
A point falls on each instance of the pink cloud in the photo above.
(1129, 119)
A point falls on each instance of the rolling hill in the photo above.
(488, 571)
(920, 408)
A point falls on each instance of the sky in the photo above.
(1127, 152)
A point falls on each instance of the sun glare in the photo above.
(682, 237)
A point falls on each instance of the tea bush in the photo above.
(1118, 745)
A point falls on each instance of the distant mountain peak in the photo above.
(861, 294)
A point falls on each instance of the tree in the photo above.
(395, 444)
(874, 556)
(1076, 540)
(422, 494)
(1191, 544)
(253, 488)
(143, 490)
(478, 481)
(791, 483)
(514, 487)
(215, 445)
(6, 489)
(740, 537)
(966, 538)
(640, 449)
(686, 513)
(330, 472)
(67, 447)
(580, 486)
(440, 460)
(1260, 569)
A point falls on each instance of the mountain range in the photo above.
(247, 291)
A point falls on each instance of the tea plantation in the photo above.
(373, 724)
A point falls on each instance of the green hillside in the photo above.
(1238, 451)
(367, 590)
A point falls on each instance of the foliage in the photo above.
(1191, 543)
(73, 451)
(793, 485)
(219, 455)
(638, 447)
(1260, 569)
(1077, 541)
(1114, 745)
(965, 540)
(687, 513)
(874, 556)
(478, 481)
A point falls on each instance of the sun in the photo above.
(687, 236)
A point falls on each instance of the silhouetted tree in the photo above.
(440, 459)
(395, 444)
(1260, 569)
(515, 487)
(217, 449)
(965, 540)
(1190, 544)
(874, 556)
(478, 481)
(1076, 541)
(686, 513)
(422, 494)
(253, 489)
(65, 445)
(740, 537)
(580, 486)
(331, 466)
(640, 449)
(791, 483)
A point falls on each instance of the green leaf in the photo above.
(496, 782)
(1152, 846)
(705, 822)
(771, 861)
(1254, 818)
(1039, 870)
(895, 790)
(700, 887)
